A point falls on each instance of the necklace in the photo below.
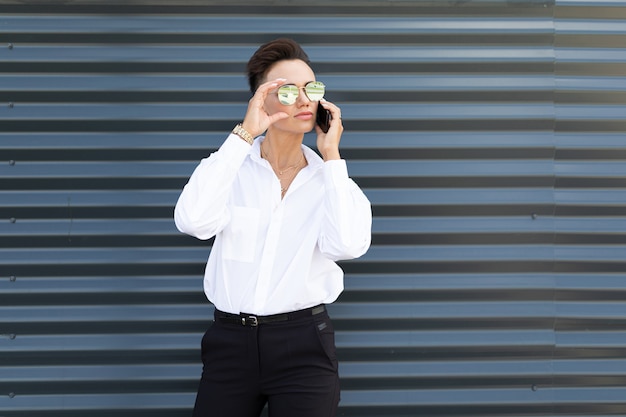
(283, 189)
(289, 179)
(280, 173)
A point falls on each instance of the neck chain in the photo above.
(280, 173)
(298, 165)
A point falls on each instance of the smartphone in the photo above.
(322, 119)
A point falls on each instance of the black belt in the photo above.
(252, 320)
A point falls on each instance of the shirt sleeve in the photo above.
(201, 210)
(347, 226)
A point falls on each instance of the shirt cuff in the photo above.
(335, 173)
(235, 143)
(232, 152)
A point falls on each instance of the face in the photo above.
(302, 113)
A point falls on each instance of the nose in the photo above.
(303, 98)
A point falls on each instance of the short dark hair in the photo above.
(270, 53)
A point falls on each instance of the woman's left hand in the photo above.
(328, 143)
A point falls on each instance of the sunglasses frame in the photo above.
(289, 98)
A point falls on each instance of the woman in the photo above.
(281, 216)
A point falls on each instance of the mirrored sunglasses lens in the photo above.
(315, 91)
(287, 94)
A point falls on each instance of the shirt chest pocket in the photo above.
(239, 238)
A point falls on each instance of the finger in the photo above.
(278, 116)
(258, 100)
(265, 88)
(335, 112)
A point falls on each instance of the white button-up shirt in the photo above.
(273, 255)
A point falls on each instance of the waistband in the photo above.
(251, 320)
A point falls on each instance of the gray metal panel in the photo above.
(489, 136)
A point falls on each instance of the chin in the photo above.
(305, 127)
(301, 127)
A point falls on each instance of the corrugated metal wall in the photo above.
(490, 137)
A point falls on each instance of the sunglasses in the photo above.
(288, 93)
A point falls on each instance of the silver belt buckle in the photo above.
(250, 320)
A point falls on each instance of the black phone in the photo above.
(322, 119)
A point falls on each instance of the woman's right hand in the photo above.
(256, 120)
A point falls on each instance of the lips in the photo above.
(305, 115)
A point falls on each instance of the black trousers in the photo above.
(289, 364)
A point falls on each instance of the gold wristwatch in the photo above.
(243, 134)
